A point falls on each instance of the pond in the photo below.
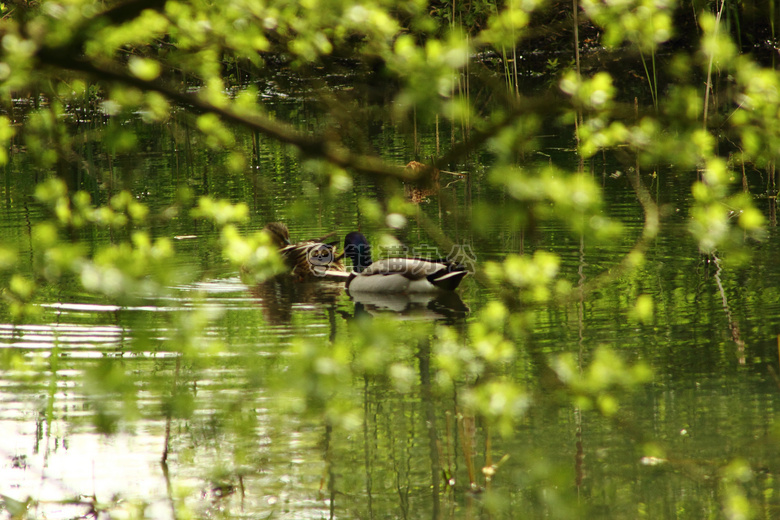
(223, 398)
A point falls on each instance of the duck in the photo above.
(308, 258)
(278, 233)
(397, 275)
(426, 185)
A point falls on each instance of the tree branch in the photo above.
(330, 150)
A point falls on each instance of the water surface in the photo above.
(287, 410)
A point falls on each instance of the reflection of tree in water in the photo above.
(420, 452)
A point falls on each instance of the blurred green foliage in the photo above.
(215, 61)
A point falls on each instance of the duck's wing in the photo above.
(311, 258)
(411, 268)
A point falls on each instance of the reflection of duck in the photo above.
(397, 275)
(308, 259)
(279, 295)
(419, 306)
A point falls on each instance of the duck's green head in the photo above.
(357, 249)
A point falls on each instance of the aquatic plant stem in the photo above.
(651, 81)
(709, 66)
(578, 119)
(514, 68)
(438, 150)
(514, 56)
(575, 13)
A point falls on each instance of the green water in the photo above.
(284, 406)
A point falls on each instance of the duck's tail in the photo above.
(448, 280)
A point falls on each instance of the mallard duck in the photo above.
(280, 235)
(425, 186)
(308, 258)
(397, 275)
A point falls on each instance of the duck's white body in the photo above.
(405, 276)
